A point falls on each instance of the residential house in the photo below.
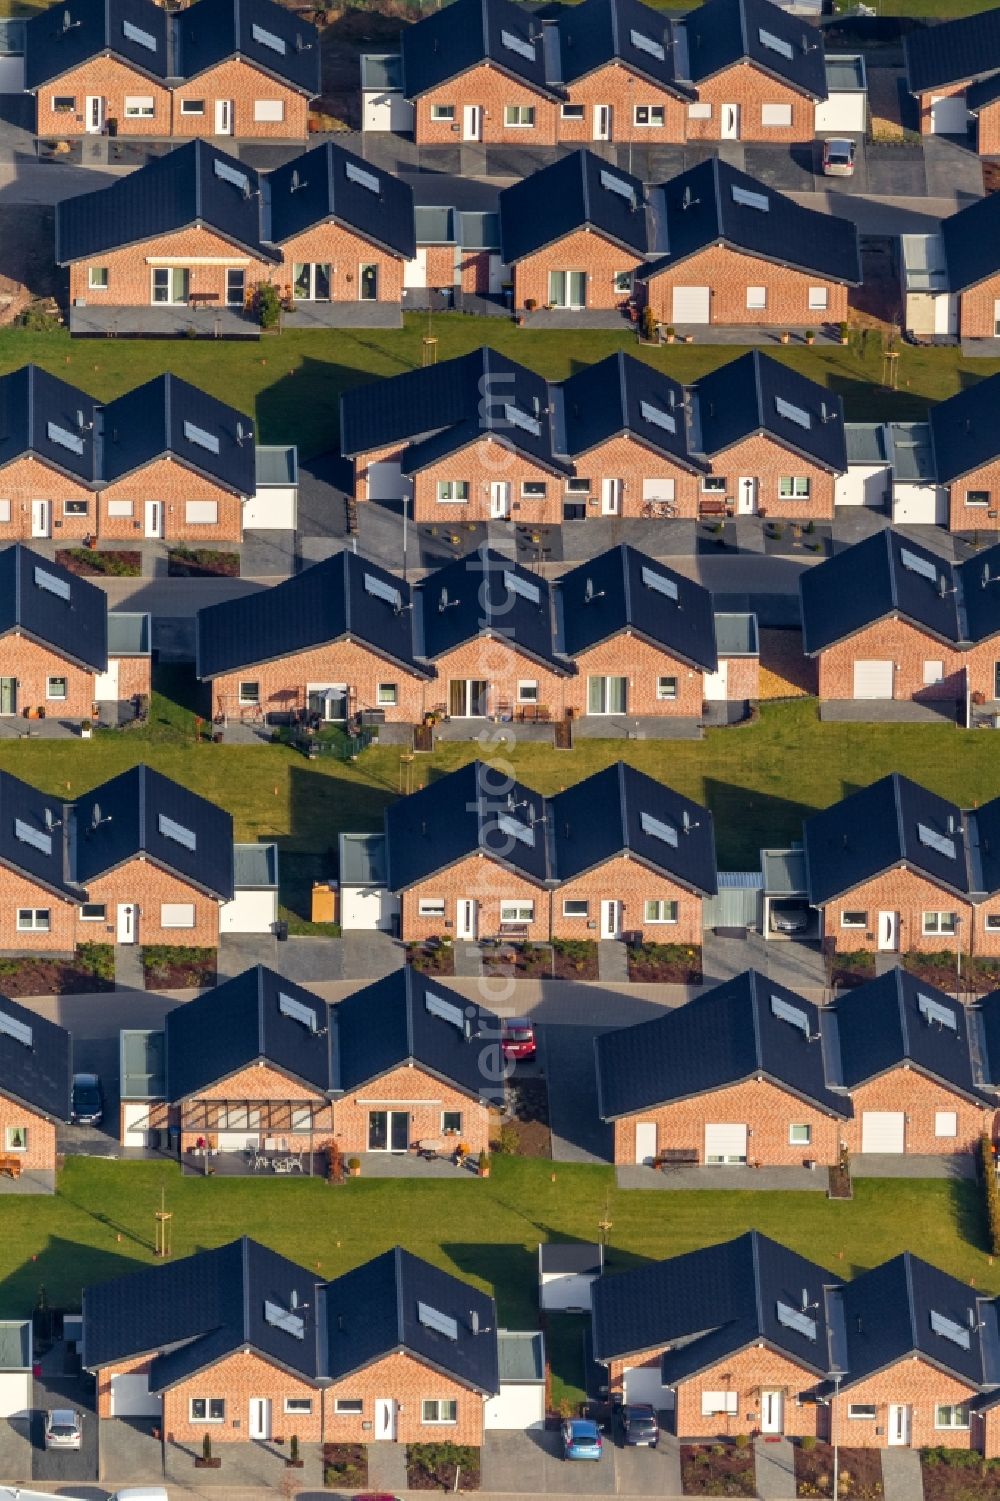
(611, 70)
(36, 1080)
(967, 456)
(890, 619)
(748, 1337)
(241, 1344)
(260, 1068)
(952, 278)
(750, 1073)
(198, 231)
(894, 868)
(953, 71)
(711, 246)
(616, 854)
(61, 651)
(131, 68)
(480, 438)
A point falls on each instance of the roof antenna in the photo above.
(807, 45)
(51, 822)
(944, 590)
(82, 424)
(300, 45)
(686, 824)
(590, 593)
(444, 603)
(297, 182)
(97, 819)
(688, 199)
(68, 24)
(242, 434)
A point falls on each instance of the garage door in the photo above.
(131, 1398)
(386, 482)
(15, 1394)
(920, 504)
(272, 509)
(725, 1143)
(252, 910)
(520, 1405)
(949, 115)
(642, 1384)
(415, 271)
(883, 1131)
(691, 305)
(873, 680)
(843, 111)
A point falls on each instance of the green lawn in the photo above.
(292, 383)
(100, 1224)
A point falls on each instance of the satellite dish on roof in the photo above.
(688, 200)
(68, 24)
(51, 822)
(300, 45)
(243, 433)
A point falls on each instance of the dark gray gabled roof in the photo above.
(36, 1061)
(194, 185)
(54, 607)
(898, 1021)
(389, 1304)
(598, 32)
(731, 1034)
(33, 836)
(244, 1020)
(579, 191)
(970, 241)
(142, 812)
(714, 204)
(278, 41)
(956, 51)
(622, 396)
(40, 416)
(624, 590)
(965, 429)
(621, 811)
(343, 597)
(722, 33)
(485, 594)
(168, 418)
(887, 574)
(755, 394)
(709, 1304)
(331, 184)
(890, 823)
(449, 42)
(73, 32)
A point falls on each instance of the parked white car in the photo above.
(63, 1429)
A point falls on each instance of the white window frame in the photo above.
(659, 903)
(776, 116)
(100, 915)
(951, 1408)
(387, 695)
(438, 1403)
(756, 299)
(534, 489)
(457, 1129)
(298, 1406)
(201, 513)
(193, 107)
(10, 1138)
(713, 484)
(120, 509)
(517, 909)
(946, 1123)
(933, 672)
(208, 1414)
(664, 695)
(724, 1402)
(978, 504)
(140, 107)
(576, 901)
(97, 286)
(575, 112)
(622, 283)
(442, 114)
(349, 1407)
(578, 486)
(991, 922)
(856, 925)
(4, 510)
(269, 111)
(175, 915)
(931, 925)
(453, 492)
(794, 487)
(431, 906)
(527, 690)
(800, 1134)
(249, 700)
(513, 113)
(80, 507)
(59, 698)
(819, 299)
(69, 104)
(39, 919)
(650, 111)
(862, 1412)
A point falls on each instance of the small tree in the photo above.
(649, 323)
(267, 305)
(206, 1446)
(293, 1449)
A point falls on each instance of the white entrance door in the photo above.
(645, 1142)
(730, 126)
(946, 314)
(899, 1424)
(746, 496)
(873, 679)
(385, 1418)
(602, 122)
(772, 1412)
(611, 919)
(725, 1144)
(466, 919)
(888, 932)
(126, 922)
(691, 305)
(154, 518)
(715, 685)
(106, 683)
(94, 114)
(223, 117)
(415, 271)
(41, 518)
(472, 122)
(260, 1417)
(499, 499)
(611, 497)
(883, 1131)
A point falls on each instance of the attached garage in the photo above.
(844, 111)
(873, 679)
(883, 1131)
(131, 1397)
(387, 482)
(254, 906)
(691, 305)
(567, 1271)
(274, 505)
(642, 1384)
(415, 271)
(520, 1403)
(949, 115)
(919, 505)
(725, 1144)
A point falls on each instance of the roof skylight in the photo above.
(516, 829)
(618, 185)
(518, 44)
(746, 199)
(516, 418)
(643, 43)
(52, 583)
(20, 1031)
(794, 1318)
(66, 439)
(515, 584)
(39, 839)
(941, 844)
(659, 583)
(268, 39)
(177, 832)
(380, 589)
(436, 1005)
(133, 33)
(792, 413)
(914, 563)
(282, 1318)
(657, 829)
(201, 436)
(298, 1011)
(793, 1015)
(441, 1323)
(656, 417)
(364, 179)
(775, 43)
(949, 1329)
(231, 174)
(933, 1011)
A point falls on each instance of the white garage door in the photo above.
(15, 1394)
(642, 1384)
(725, 1143)
(920, 504)
(135, 1123)
(131, 1398)
(883, 1131)
(843, 111)
(272, 509)
(386, 482)
(949, 116)
(251, 910)
(569, 1290)
(415, 271)
(862, 485)
(691, 305)
(873, 680)
(368, 908)
(519, 1405)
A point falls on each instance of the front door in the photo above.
(388, 1130)
(772, 1412)
(716, 684)
(611, 919)
(472, 123)
(730, 116)
(223, 117)
(899, 1424)
(154, 518)
(385, 1418)
(106, 683)
(746, 496)
(466, 920)
(126, 922)
(41, 518)
(499, 499)
(645, 1142)
(8, 695)
(94, 114)
(888, 932)
(260, 1417)
(611, 497)
(602, 122)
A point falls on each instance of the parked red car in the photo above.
(518, 1039)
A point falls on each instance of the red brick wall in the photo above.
(479, 464)
(914, 1382)
(965, 518)
(584, 250)
(768, 461)
(988, 133)
(283, 682)
(130, 275)
(976, 307)
(745, 85)
(946, 91)
(111, 81)
(134, 676)
(622, 89)
(40, 1155)
(28, 479)
(499, 663)
(140, 881)
(479, 879)
(632, 884)
(491, 90)
(729, 273)
(238, 1379)
(919, 1098)
(898, 641)
(346, 253)
(16, 891)
(747, 1373)
(32, 665)
(173, 484)
(411, 1085)
(242, 83)
(628, 656)
(409, 1382)
(632, 462)
(909, 894)
(257, 1083)
(767, 1110)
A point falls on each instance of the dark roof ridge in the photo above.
(755, 1257)
(582, 159)
(904, 1026)
(260, 1010)
(755, 1018)
(245, 1268)
(893, 592)
(397, 1255)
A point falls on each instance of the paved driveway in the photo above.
(578, 1133)
(15, 1451)
(57, 1390)
(531, 1464)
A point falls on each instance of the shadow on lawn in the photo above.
(303, 406)
(747, 821)
(320, 808)
(59, 1270)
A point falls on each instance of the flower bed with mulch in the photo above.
(574, 959)
(665, 963)
(959, 1475)
(169, 968)
(91, 969)
(718, 1470)
(89, 562)
(527, 1133)
(434, 1467)
(860, 1472)
(941, 969)
(345, 1466)
(850, 969)
(202, 562)
(431, 958)
(530, 961)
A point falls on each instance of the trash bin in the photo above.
(173, 1137)
(281, 932)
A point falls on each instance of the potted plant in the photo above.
(530, 303)
(354, 1166)
(810, 336)
(293, 1462)
(671, 334)
(484, 1165)
(843, 333)
(207, 1462)
(785, 336)
(86, 729)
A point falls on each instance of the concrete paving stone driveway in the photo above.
(531, 1464)
(63, 1465)
(578, 1133)
(896, 172)
(15, 1451)
(129, 1454)
(257, 1467)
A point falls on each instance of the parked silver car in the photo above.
(63, 1429)
(838, 157)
